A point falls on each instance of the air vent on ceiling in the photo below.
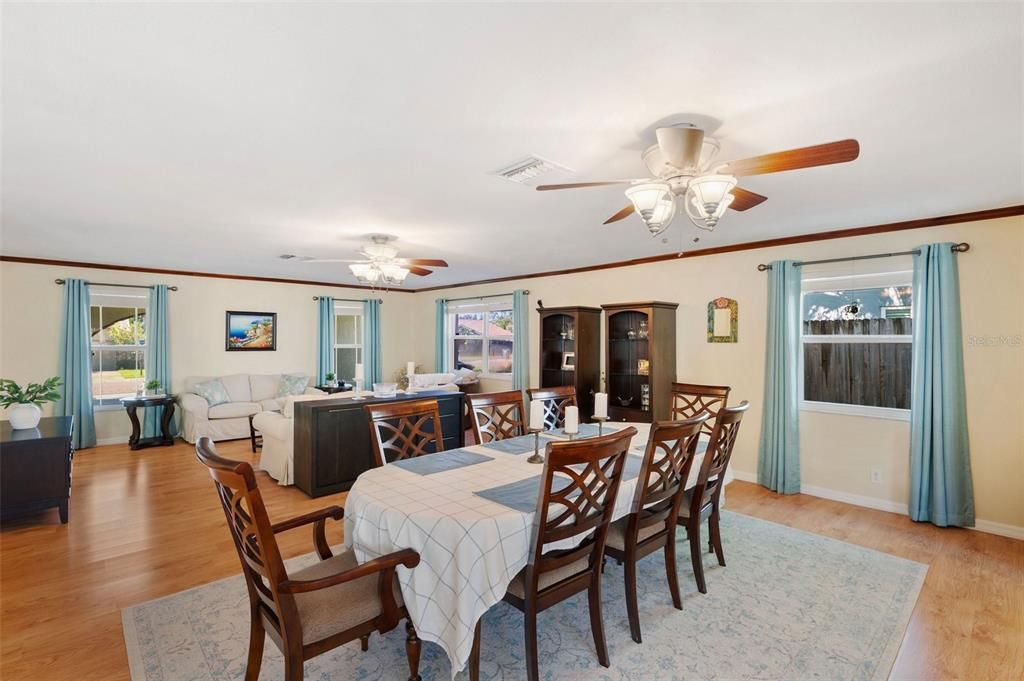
(288, 256)
(530, 170)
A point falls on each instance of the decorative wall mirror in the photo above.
(723, 320)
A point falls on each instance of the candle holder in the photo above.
(536, 457)
(600, 424)
(358, 390)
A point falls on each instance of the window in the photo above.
(118, 325)
(348, 339)
(856, 336)
(481, 338)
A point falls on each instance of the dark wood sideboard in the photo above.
(332, 438)
(35, 467)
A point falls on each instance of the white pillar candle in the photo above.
(572, 420)
(359, 372)
(601, 405)
(537, 415)
(410, 369)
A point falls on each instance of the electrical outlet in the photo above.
(876, 475)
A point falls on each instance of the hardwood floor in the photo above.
(147, 524)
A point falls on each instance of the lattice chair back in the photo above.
(404, 430)
(555, 401)
(716, 459)
(665, 469)
(497, 416)
(691, 399)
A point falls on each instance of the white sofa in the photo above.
(250, 394)
(444, 381)
(278, 430)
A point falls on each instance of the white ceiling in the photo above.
(216, 137)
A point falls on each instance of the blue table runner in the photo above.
(440, 462)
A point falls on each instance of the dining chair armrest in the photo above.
(319, 520)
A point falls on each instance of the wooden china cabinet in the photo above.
(640, 351)
(574, 330)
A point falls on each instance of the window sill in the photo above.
(887, 413)
(107, 407)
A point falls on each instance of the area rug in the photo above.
(790, 606)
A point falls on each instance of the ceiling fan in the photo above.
(382, 264)
(683, 163)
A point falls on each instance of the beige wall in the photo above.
(837, 451)
(30, 315)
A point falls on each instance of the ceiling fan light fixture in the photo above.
(707, 199)
(654, 203)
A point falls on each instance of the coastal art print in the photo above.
(723, 320)
(251, 331)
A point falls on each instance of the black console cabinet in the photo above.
(35, 467)
(332, 438)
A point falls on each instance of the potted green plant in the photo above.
(332, 380)
(23, 403)
(153, 387)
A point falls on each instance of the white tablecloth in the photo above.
(470, 548)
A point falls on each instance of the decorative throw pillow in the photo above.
(292, 384)
(213, 392)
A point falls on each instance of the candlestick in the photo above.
(537, 415)
(536, 457)
(572, 420)
(601, 405)
(600, 424)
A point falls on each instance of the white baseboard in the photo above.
(120, 440)
(987, 526)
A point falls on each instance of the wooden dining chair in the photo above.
(579, 486)
(651, 523)
(407, 429)
(309, 611)
(555, 401)
(497, 416)
(702, 501)
(690, 399)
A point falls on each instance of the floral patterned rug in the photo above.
(790, 606)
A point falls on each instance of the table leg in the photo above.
(252, 435)
(133, 439)
(165, 423)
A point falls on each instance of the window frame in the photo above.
(499, 305)
(99, 292)
(900, 277)
(346, 309)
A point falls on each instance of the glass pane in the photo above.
(469, 324)
(345, 360)
(875, 311)
(348, 329)
(499, 356)
(117, 374)
(116, 326)
(870, 374)
(469, 354)
(500, 324)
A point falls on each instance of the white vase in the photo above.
(24, 416)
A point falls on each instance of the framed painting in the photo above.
(250, 331)
(723, 320)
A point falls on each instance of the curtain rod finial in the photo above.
(763, 268)
(962, 247)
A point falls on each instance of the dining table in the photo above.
(469, 513)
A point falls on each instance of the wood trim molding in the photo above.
(975, 216)
(188, 273)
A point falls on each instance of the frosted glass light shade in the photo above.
(710, 194)
(654, 203)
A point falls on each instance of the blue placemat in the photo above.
(587, 430)
(440, 462)
(517, 445)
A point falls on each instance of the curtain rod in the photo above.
(97, 283)
(350, 300)
(495, 295)
(961, 247)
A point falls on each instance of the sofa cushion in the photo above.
(213, 392)
(272, 404)
(431, 380)
(238, 387)
(233, 410)
(292, 384)
(264, 386)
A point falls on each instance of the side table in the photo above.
(165, 439)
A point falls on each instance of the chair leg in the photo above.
(631, 604)
(530, 628)
(693, 533)
(412, 650)
(257, 636)
(597, 620)
(716, 537)
(671, 571)
(364, 642)
(474, 654)
(293, 667)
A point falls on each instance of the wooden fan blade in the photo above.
(429, 262)
(579, 185)
(624, 213)
(744, 200)
(419, 271)
(794, 159)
